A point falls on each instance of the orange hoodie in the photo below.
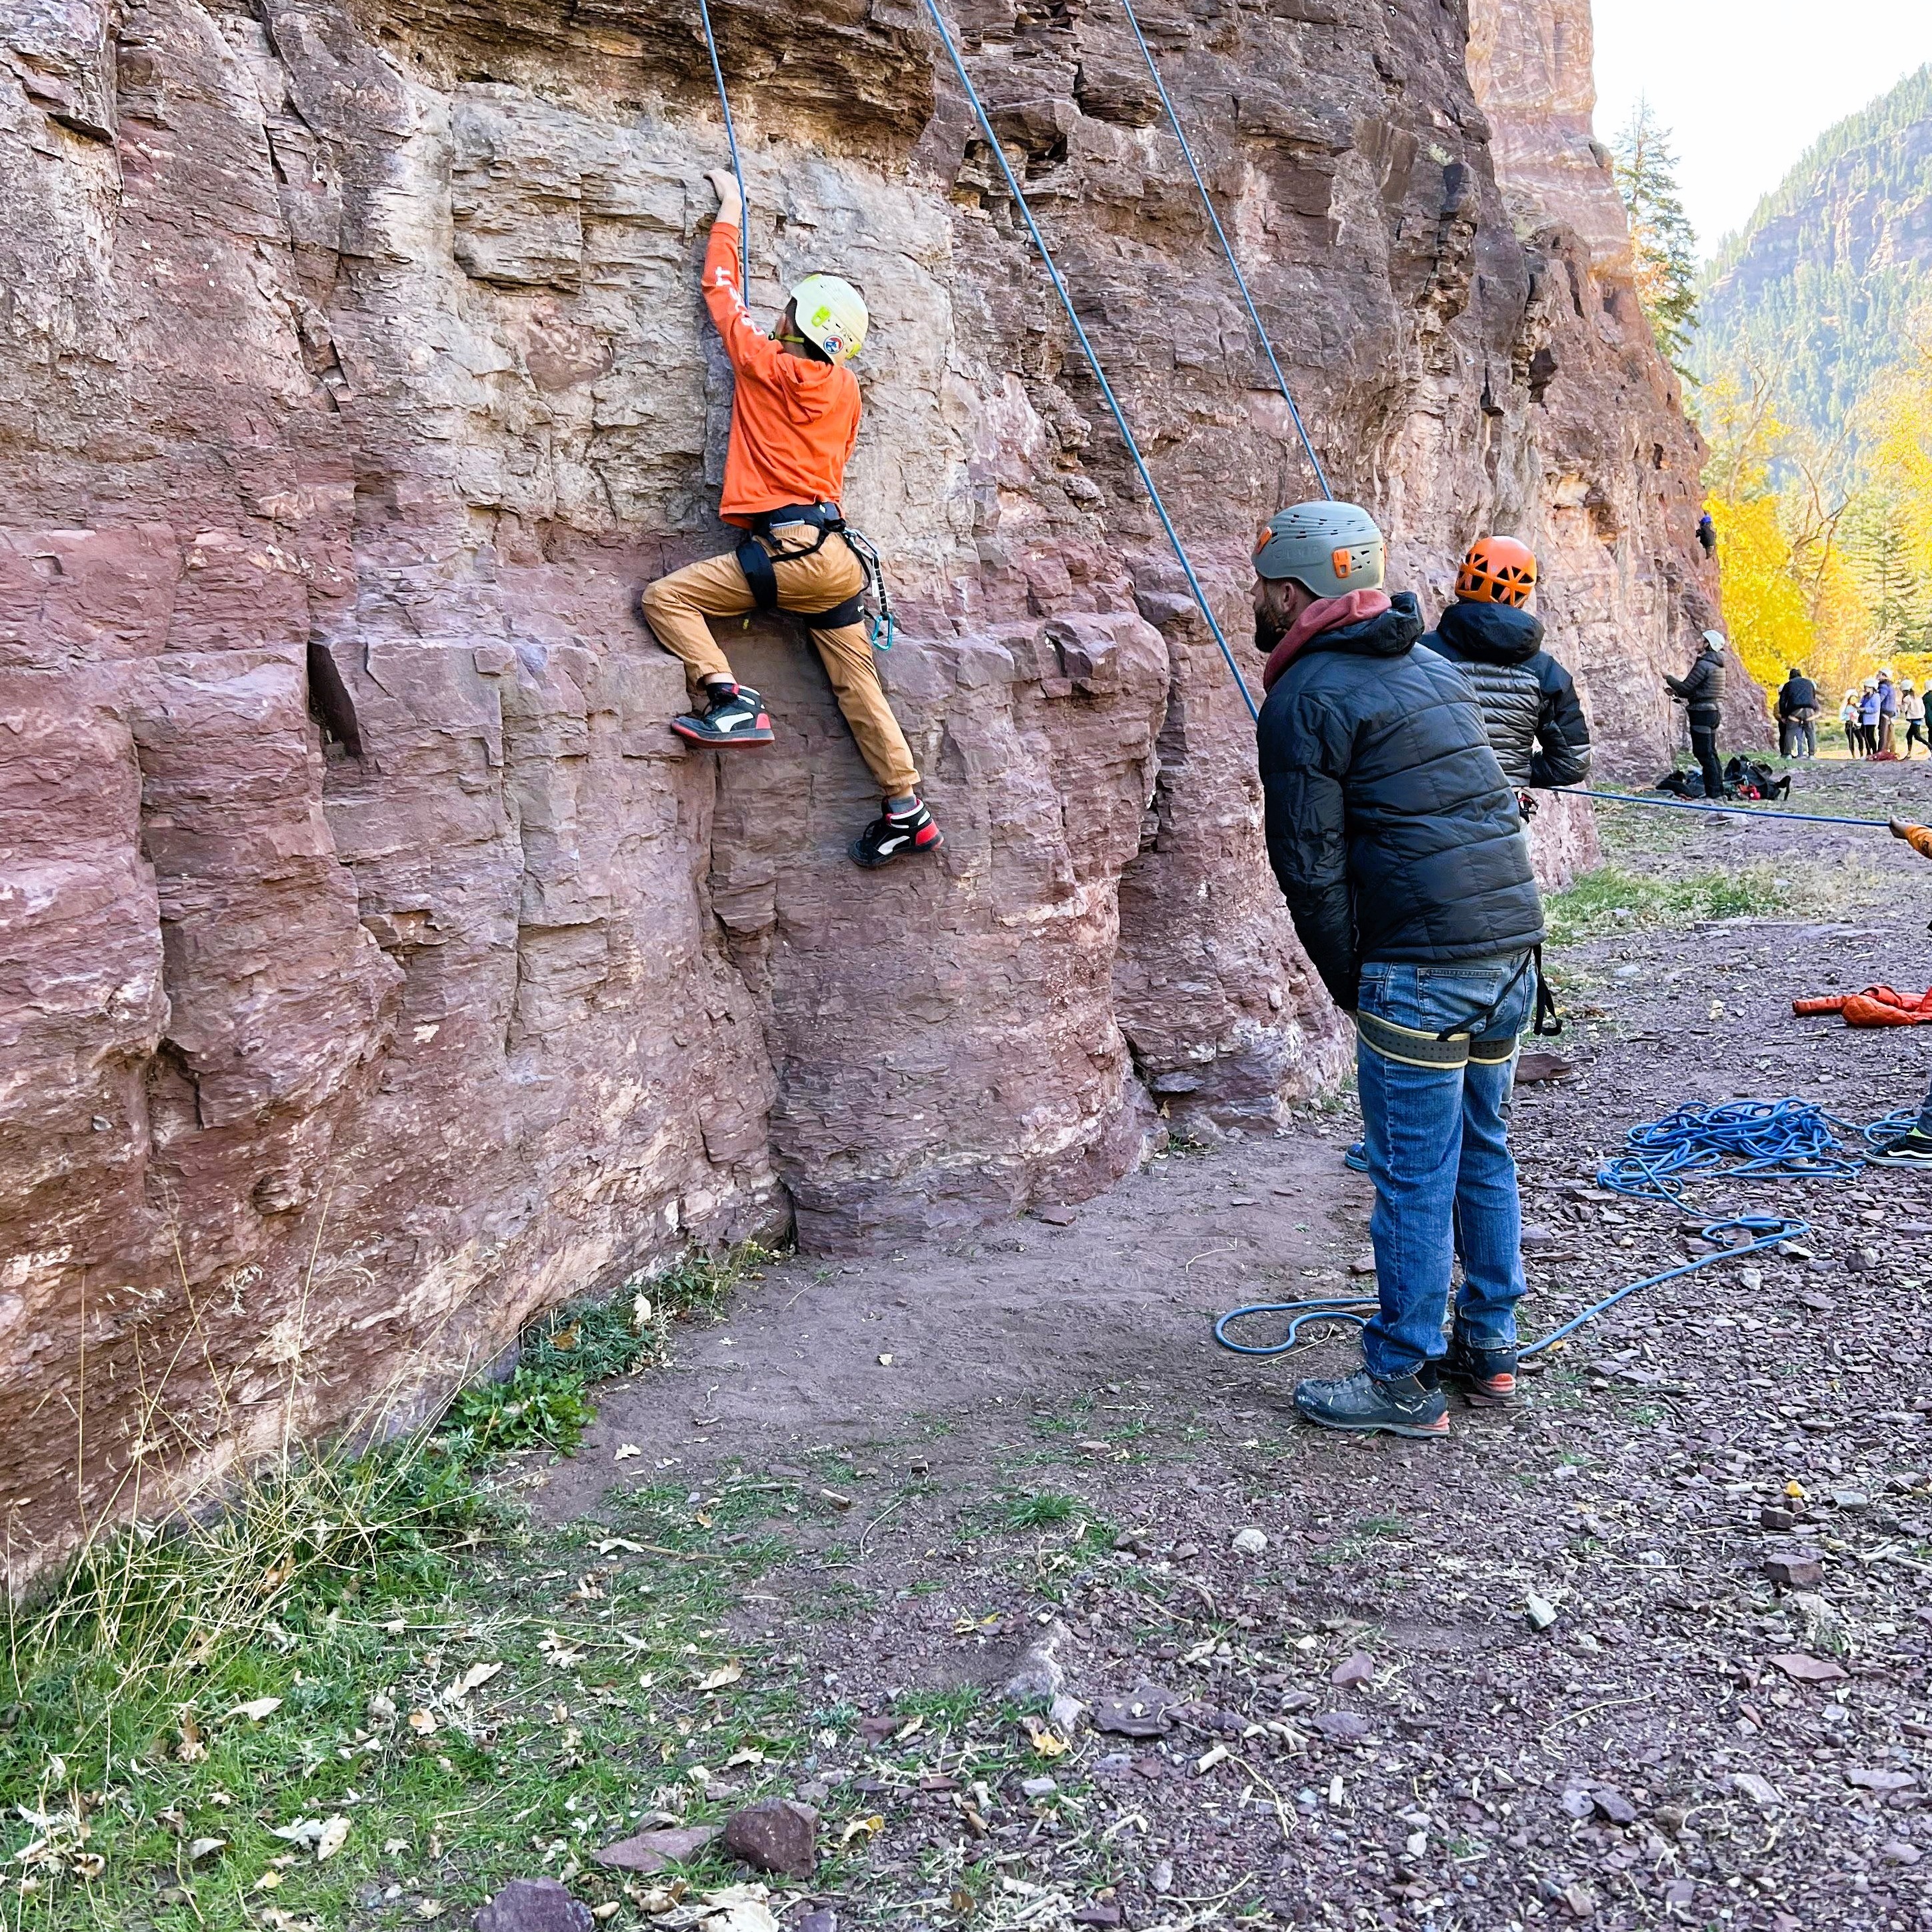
(793, 422)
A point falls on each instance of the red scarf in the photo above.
(1325, 613)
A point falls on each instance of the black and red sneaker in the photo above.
(894, 835)
(1486, 1376)
(735, 716)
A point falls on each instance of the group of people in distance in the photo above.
(1871, 716)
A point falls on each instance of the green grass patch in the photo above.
(352, 1689)
(1614, 899)
(1042, 1509)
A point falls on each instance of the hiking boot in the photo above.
(894, 835)
(1912, 1148)
(1357, 1159)
(1362, 1404)
(1486, 1376)
(734, 715)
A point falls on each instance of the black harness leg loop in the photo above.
(754, 560)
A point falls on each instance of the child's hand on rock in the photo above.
(731, 203)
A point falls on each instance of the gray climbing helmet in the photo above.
(1331, 548)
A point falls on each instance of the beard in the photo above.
(1269, 632)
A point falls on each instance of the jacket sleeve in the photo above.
(1562, 732)
(1304, 753)
(751, 351)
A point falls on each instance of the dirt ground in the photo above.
(1032, 1440)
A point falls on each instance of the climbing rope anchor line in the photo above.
(1739, 810)
(1227, 249)
(1087, 349)
(737, 166)
(1765, 1231)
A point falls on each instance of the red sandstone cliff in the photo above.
(357, 902)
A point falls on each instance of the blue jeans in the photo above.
(1437, 1139)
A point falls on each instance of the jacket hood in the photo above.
(1364, 622)
(1495, 633)
(811, 390)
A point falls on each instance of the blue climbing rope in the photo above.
(1087, 348)
(737, 166)
(1227, 249)
(1748, 1140)
(1686, 805)
(1745, 1140)
(1766, 1231)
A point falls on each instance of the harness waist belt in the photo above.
(1413, 1048)
(819, 516)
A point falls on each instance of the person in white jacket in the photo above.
(1911, 709)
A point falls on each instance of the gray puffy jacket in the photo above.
(1702, 687)
(1530, 707)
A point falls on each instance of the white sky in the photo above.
(1745, 86)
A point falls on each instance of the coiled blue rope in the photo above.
(1789, 1139)
(1748, 1140)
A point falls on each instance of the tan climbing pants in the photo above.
(677, 606)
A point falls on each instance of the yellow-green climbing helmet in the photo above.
(831, 313)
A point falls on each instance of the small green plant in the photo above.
(534, 1408)
(1043, 1509)
(544, 1403)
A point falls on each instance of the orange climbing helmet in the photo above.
(1498, 570)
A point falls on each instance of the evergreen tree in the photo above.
(1878, 547)
(1662, 245)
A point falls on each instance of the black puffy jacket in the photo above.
(1390, 825)
(1702, 687)
(1796, 694)
(1536, 724)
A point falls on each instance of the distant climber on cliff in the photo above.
(1536, 724)
(794, 421)
(1707, 534)
(1399, 848)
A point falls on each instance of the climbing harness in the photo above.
(1087, 348)
(731, 141)
(1766, 1231)
(1738, 811)
(1227, 249)
(762, 548)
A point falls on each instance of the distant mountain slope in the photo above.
(1823, 285)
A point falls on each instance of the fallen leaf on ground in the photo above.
(626, 1451)
(728, 1673)
(257, 1708)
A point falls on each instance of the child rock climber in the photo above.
(794, 420)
